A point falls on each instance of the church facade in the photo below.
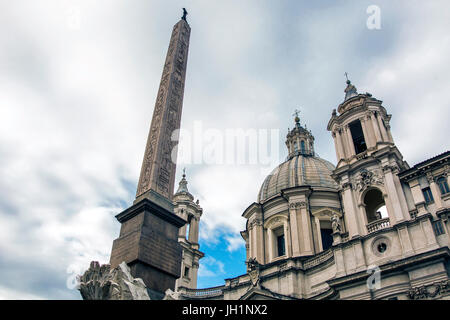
(370, 227)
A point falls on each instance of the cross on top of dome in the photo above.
(350, 90)
(297, 119)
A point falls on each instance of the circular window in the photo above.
(381, 246)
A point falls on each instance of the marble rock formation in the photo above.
(102, 283)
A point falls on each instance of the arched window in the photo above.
(295, 147)
(302, 146)
(277, 237)
(358, 136)
(188, 225)
(375, 206)
(443, 185)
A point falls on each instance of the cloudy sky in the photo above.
(78, 82)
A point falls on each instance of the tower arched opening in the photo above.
(375, 205)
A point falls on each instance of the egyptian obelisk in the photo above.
(149, 231)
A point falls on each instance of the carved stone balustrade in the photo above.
(378, 225)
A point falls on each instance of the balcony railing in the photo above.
(202, 293)
(319, 258)
(378, 225)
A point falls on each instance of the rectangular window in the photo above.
(438, 228)
(327, 238)
(281, 246)
(443, 185)
(427, 195)
(186, 272)
(358, 136)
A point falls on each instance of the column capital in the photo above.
(430, 177)
(346, 185)
(297, 205)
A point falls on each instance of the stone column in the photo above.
(393, 198)
(294, 230)
(339, 260)
(250, 241)
(270, 240)
(193, 230)
(359, 256)
(366, 133)
(344, 150)
(319, 237)
(370, 130)
(287, 243)
(405, 240)
(194, 274)
(258, 239)
(447, 175)
(350, 141)
(435, 191)
(247, 250)
(306, 232)
(351, 219)
(336, 147)
(417, 194)
(389, 133)
(382, 128)
(182, 233)
(363, 217)
(376, 129)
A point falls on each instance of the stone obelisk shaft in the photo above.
(159, 164)
(148, 240)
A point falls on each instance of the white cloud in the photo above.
(234, 242)
(210, 267)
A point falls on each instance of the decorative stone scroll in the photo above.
(429, 291)
(367, 178)
(393, 168)
(297, 205)
(254, 223)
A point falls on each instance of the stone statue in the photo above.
(335, 223)
(184, 14)
(101, 283)
(172, 295)
(378, 215)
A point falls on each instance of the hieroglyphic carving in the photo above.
(158, 167)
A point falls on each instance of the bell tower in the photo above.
(368, 162)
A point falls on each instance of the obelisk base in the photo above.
(148, 243)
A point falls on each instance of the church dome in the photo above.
(301, 168)
(298, 171)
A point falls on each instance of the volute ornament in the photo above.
(367, 178)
